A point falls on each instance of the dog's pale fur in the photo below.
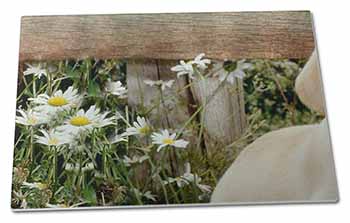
(290, 164)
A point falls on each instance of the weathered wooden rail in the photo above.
(153, 42)
(168, 36)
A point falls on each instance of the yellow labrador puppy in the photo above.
(291, 164)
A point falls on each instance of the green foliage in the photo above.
(93, 171)
(269, 92)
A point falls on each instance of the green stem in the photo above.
(194, 184)
(127, 122)
(80, 171)
(163, 103)
(49, 83)
(27, 87)
(165, 193)
(80, 161)
(54, 168)
(34, 86)
(201, 126)
(165, 175)
(189, 120)
(173, 96)
(130, 183)
(104, 156)
(31, 142)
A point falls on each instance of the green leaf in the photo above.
(93, 89)
(73, 74)
(89, 195)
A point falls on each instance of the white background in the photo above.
(332, 27)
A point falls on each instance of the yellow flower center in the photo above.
(79, 121)
(57, 101)
(168, 141)
(53, 141)
(41, 186)
(32, 121)
(144, 130)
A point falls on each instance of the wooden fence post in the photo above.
(224, 116)
(167, 108)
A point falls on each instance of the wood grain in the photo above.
(224, 116)
(221, 35)
(167, 108)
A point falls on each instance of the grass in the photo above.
(92, 170)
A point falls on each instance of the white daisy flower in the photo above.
(88, 167)
(193, 177)
(201, 63)
(164, 139)
(21, 197)
(135, 159)
(58, 101)
(37, 70)
(178, 180)
(238, 72)
(183, 180)
(184, 68)
(160, 83)
(116, 88)
(56, 205)
(99, 175)
(118, 115)
(30, 118)
(48, 205)
(86, 121)
(285, 64)
(118, 138)
(141, 127)
(102, 120)
(204, 188)
(36, 185)
(69, 167)
(24, 204)
(188, 178)
(147, 194)
(53, 138)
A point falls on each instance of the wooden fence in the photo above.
(153, 43)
